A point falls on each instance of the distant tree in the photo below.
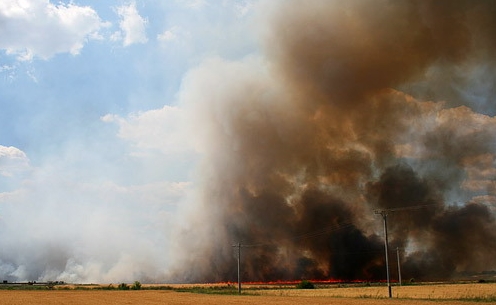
(305, 285)
(136, 286)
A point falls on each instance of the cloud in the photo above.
(242, 7)
(38, 28)
(194, 4)
(12, 160)
(132, 25)
(161, 130)
(168, 35)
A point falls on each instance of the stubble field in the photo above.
(419, 294)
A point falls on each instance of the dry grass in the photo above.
(149, 297)
(422, 295)
(434, 292)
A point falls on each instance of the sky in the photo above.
(140, 140)
(96, 156)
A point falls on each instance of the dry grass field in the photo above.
(422, 295)
(433, 292)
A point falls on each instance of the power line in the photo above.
(384, 213)
(331, 228)
(323, 231)
(408, 208)
(335, 227)
(303, 236)
(308, 235)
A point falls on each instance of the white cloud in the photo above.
(168, 35)
(161, 130)
(242, 8)
(194, 4)
(38, 28)
(10, 72)
(12, 160)
(132, 25)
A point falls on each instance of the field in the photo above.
(470, 291)
(466, 294)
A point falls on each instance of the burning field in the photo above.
(354, 107)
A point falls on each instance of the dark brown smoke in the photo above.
(355, 106)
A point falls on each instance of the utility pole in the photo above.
(384, 214)
(399, 265)
(239, 266)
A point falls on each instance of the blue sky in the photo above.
(117, 60)
(129, 57)
(95, 156)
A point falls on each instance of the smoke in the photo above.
(350, 107)
(354, 106)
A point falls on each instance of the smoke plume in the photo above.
(354, 106)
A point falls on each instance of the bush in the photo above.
(123, 286)
(136, 286)
(109, 287)
(305, 285)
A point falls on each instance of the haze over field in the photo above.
(141, 140)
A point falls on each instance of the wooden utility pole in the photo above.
(384, 214)
(399, 265)
(239, 266)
